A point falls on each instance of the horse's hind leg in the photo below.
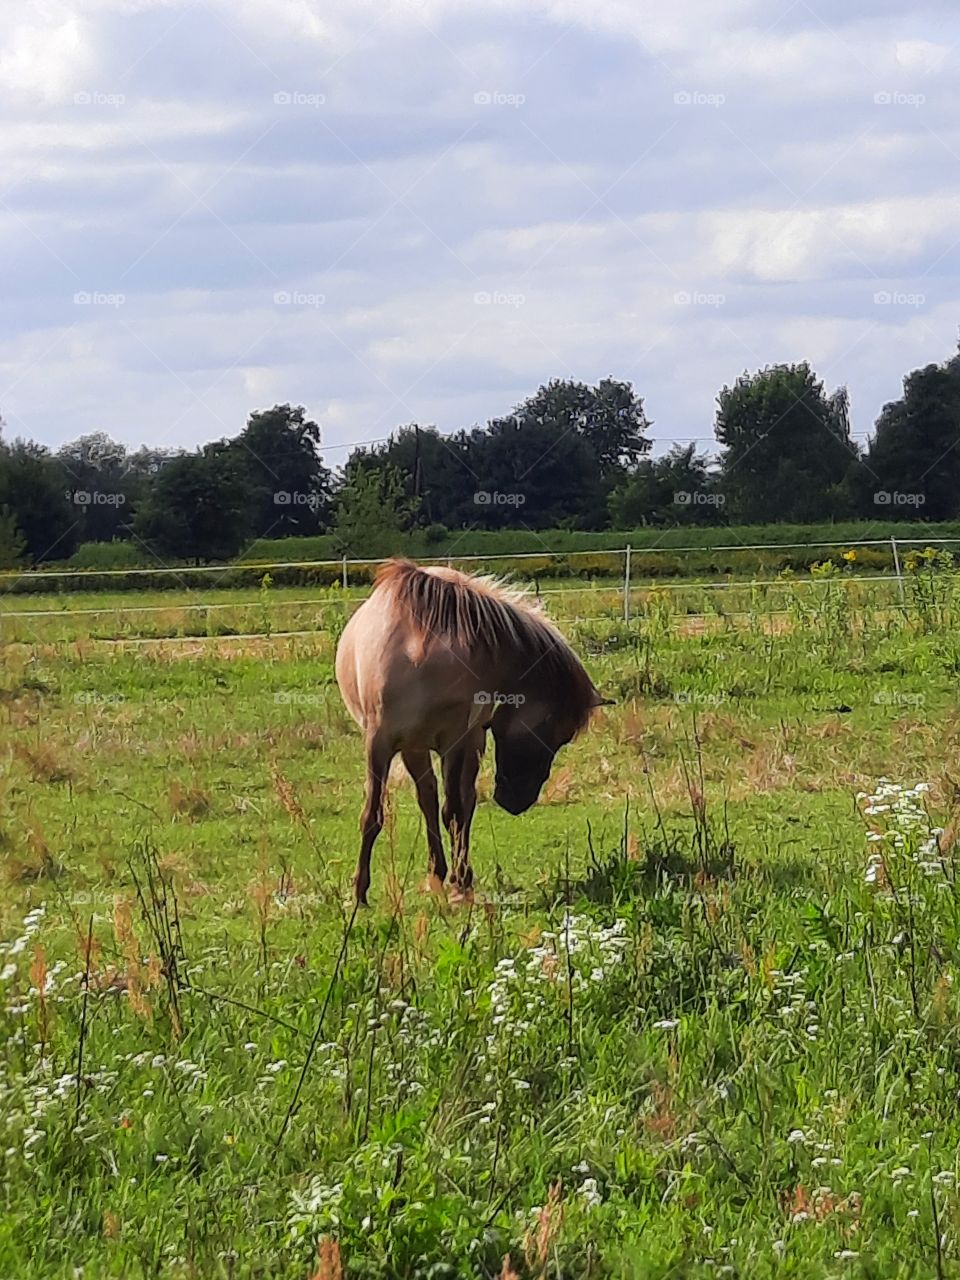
(420, 768)
(379, 756)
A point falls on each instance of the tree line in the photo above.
(570, 456)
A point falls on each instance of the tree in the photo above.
(33, 489)
(373, 512)
(288, 483)
(198, 507)
(534, 474)
(610, 418)
(436, 472)
(787, 446)
(912, 467)
(677, 488)
(12, 545)
(100, 485)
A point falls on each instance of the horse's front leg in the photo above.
(420, 768)
(460, 769)
(379, 755)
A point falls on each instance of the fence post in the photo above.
(626, 584)
(344, 572)
(896, 565)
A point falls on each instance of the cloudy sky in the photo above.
(408, 210)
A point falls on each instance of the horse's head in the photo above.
(527, 734)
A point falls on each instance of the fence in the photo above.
(626, 554)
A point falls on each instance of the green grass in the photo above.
(593, 1068)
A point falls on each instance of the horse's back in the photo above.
(397, 680)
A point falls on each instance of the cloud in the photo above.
(665, 193)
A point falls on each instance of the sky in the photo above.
(420, 210)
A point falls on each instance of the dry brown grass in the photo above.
(45, 762)
(187, 801)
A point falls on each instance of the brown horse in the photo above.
(430, 661)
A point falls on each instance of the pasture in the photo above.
(700, 1017)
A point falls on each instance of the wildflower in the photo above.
(666, 1024)
(590, 1193)
(796, 1135)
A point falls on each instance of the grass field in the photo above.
(701, 1017)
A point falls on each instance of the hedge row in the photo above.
(645, 565)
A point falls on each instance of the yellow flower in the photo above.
(229, 1139)
(849, 556)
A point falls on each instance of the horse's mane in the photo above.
(481, 613)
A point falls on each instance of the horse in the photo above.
(430, 662)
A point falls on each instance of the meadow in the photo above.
(699, 1017)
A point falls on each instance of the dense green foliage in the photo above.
(571, 456)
